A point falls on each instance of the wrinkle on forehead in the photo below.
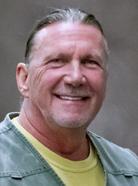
(57, 34)
(66, 30)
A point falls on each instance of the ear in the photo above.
(22, 79)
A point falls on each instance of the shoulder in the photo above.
(120, 158)
(6, 124)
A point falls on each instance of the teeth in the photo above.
(71, 98)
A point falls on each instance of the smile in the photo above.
(72, 98)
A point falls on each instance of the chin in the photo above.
(72, 120)
(74, 123)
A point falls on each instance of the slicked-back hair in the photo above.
(61, 15)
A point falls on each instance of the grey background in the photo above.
(118, 119)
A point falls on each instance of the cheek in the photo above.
(97, 80)
(45, 80)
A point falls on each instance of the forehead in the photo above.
(66, 36)
(59, 31)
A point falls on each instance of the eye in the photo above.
(91, 63)
(56, 62)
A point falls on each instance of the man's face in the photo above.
(67, 75)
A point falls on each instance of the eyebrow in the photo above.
(91, 56)
(68, 55)
(59, 55)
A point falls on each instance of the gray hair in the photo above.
(63, 15)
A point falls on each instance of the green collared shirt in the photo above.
(22, 165)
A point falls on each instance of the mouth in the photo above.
(72, 98)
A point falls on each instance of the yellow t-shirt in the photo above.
(88, 172)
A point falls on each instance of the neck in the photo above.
(69, 143)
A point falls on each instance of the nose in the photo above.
(74, 75)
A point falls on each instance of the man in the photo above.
(63, 86)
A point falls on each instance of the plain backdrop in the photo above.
(118, 118)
